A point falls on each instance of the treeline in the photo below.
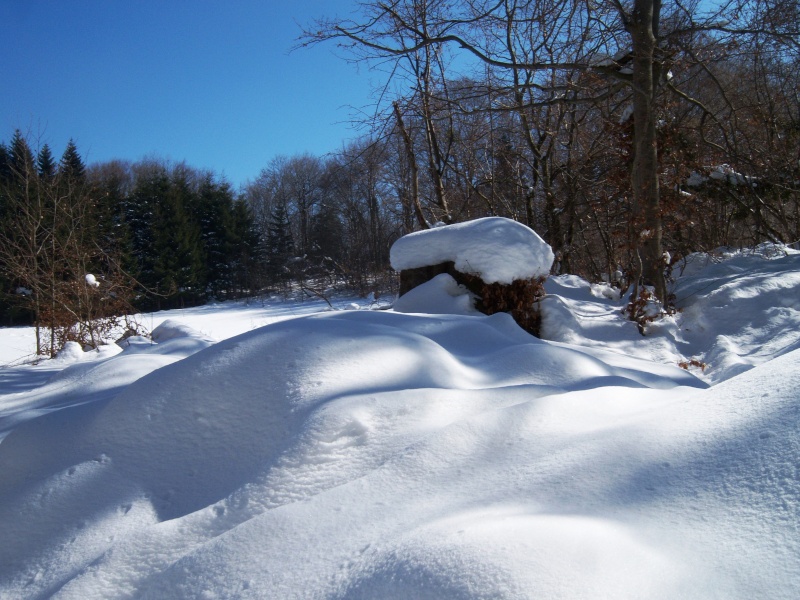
(457, 148)
(330, 220)
(82, 247)
(182, 234)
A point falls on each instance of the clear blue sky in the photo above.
(208, 82)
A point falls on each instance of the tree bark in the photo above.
(642, 28)
(412, 162)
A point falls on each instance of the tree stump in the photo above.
(520, 298)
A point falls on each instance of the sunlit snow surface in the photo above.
(493, 248)
(374, 454)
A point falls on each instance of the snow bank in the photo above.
(497, 250)
(96, 375)
(71, 352)
(442, 295)
(737, 309)
(741, 311)
(386, 455)
(142, 491)
(172, 329)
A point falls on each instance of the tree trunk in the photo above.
(412, 163)
(644, 177)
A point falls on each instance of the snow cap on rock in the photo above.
(496, 249)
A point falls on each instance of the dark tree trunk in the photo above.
(412, 164)
(642, 27)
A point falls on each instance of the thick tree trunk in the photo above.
(644, 177)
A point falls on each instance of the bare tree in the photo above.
(558, 52)
(50, 251)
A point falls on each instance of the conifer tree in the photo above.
(46, 164)
(6, 305)
(22, 162)
(178, 267)
(213, 215)
(5, 164)
(71, 165)
(151, 185)
(49, 247)
(111, 183)
(247, 251)
(22, 234)
(280, 245)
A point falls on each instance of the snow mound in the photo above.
(442, 295)
(71, 352)
(144, 487)
(740, 311)
(736, 309)
(173, 329)
(100, 374)
(496, 249)
(468, 555)
(379, 454)
(424, 494)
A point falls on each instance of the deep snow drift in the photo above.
(375, 454)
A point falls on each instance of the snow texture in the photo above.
(379, 454)
(495, 249)
(442, 295)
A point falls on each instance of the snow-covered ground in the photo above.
(387, 454)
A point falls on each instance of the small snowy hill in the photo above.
(737, 309)
(376, 454)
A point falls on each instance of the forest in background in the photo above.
(449, 140)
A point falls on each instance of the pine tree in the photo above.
(22, 162)
(46, 164)
(5, 180)
(5, 165)
(71, 166)
(49, 244)
(110, 183)
(151, 186)
(178, 267)
(280, 245)
(247, 256)
(6, 305)
(213, 215)
(71, 207)
(21, 234)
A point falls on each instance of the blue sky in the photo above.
(208, 82)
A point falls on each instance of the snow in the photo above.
(721, 173)
(696, 179)
(429, 453)
(440, 295)
(493, 248)
(627, 113)
(737, 309)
